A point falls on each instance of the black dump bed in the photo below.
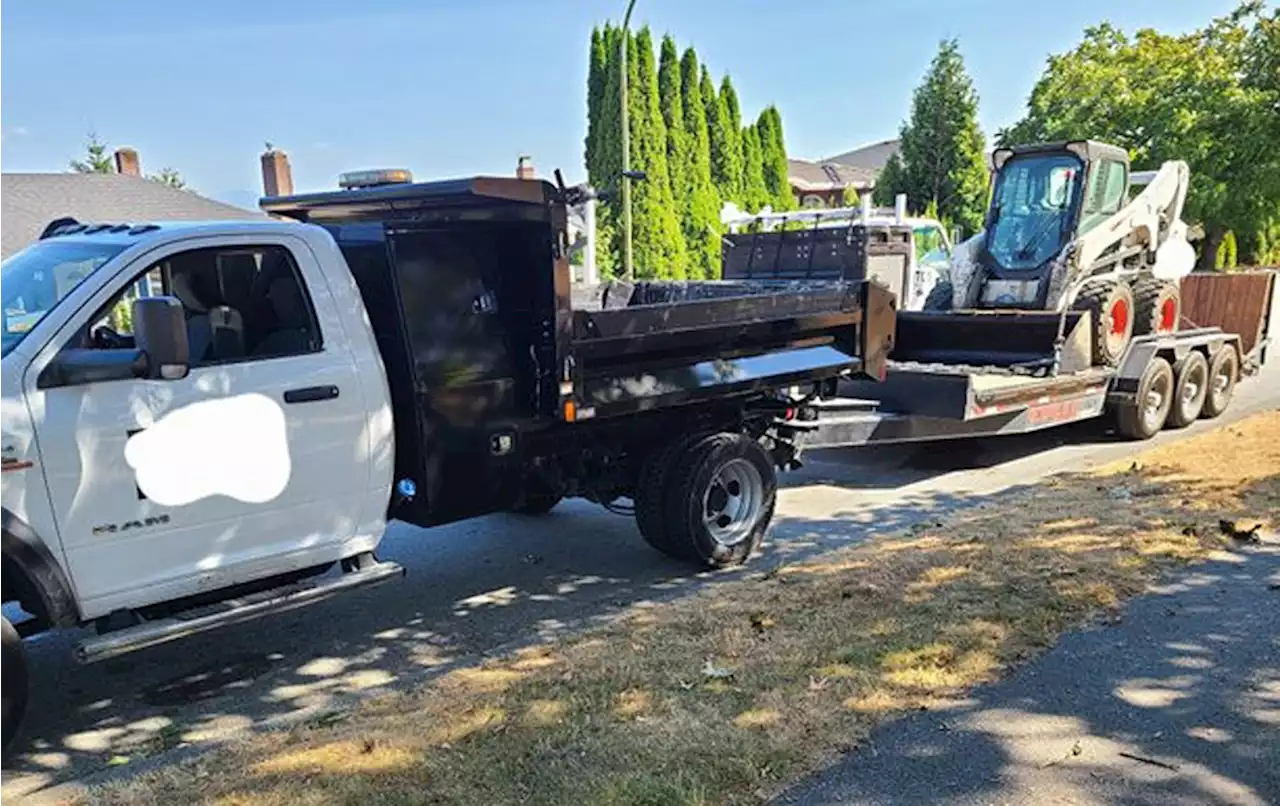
(467, 285)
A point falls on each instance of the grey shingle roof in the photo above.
(32, 200)
(827, 175)
(870, 157)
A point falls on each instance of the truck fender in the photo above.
(29, 559)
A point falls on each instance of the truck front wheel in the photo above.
(720, 500)
(15, 685)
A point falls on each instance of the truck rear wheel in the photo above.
(1144, 415)
(1110, 304)
(1157, 306)
(721, 500)
(15, 685)
(1190, 388)
(651, 495)
(1224, 372)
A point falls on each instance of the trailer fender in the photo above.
(32, 573)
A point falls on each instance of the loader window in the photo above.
(1033, 207)
(1105, 195)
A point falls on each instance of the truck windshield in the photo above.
(36, 279)
(1033, 205)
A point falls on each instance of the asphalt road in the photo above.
(1178, 705)
(481, 586)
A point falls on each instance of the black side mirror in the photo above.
(160, 333)
(159, 351)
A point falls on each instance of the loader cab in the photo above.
(1046, 195)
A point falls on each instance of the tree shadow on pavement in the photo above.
(1177, 701)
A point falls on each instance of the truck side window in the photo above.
(240, 303)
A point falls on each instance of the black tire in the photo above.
(1190, 388)
(1110, 303)
(940, 297)
(537, 502)
(1224, 373)
(1145, 415)
(651, 495)
(16, 686)
(1157, 306)
(721, 500)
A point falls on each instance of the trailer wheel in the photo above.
(1157, 306)
(651, 495)
(1144, 416)
(721, 500)
(940, 297)
(1224, 372)
(1190, 389)
(1110, 303)
(15, 686)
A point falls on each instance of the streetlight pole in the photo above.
(626, 148)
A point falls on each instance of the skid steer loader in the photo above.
(1067, 269)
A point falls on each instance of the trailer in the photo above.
(1163, 381)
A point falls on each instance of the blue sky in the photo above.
(455, 87)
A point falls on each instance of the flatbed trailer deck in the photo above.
(922, 402)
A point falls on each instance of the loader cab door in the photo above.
(1033, 210)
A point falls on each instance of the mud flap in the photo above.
(1015, 339)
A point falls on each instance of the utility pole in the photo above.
(626, 148)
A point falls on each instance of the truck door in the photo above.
(254, 463)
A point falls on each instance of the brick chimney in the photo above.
(525, 169)
(277, 178)
(127, 162)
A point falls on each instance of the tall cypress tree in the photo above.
(679, 166)
(604, 147)
(658, 245)
(726, 163)
(734, 145)
(774, 160)
(755, 194)
(702, 219)
(595, 97)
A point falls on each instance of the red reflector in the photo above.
(790, 414)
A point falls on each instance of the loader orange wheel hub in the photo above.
(1119, 318)
(1168, 316)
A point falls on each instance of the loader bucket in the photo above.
(1015, 339)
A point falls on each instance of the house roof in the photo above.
(827, 175)
(869, 157)
(32, 200)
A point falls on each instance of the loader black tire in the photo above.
(1143, 416)
(1110, 304)
(1224, 373)
(940, 297)
(721, 500)
(1190, 389)
(1157, 306)
(651, 494)
(15, 687)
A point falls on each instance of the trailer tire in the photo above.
(940, 297)
(651, 495)
(1224, 373)
(1144, 415)
(1157, 306)
(1189, 389)
(16, 686)
(721, 500)
(1110, 304)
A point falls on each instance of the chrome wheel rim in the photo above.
(732, 504)
(1193, 385)
(1154, 406)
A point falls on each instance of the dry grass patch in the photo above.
(722, 696)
